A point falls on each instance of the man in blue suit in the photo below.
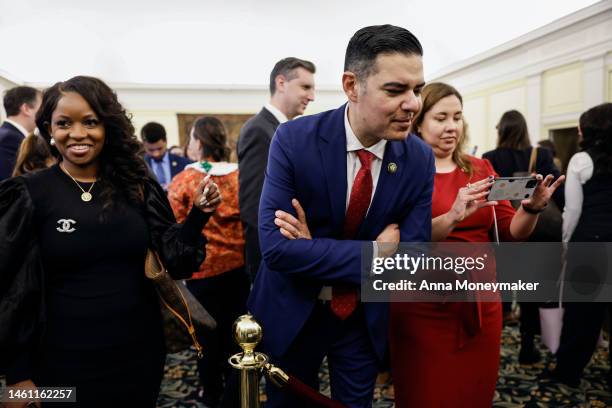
(361, 180)
(21, 104)
(164, 164)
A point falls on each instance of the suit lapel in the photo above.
(270, 118)
(391, 172)
(332, 147)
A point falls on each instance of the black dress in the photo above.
(100, 328)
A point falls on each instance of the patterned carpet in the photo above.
(518, 386)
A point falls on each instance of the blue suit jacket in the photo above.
(307, 161)
(177, 163)
(10, 140)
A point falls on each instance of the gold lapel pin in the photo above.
(392, 168)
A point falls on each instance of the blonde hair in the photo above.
(432, 94)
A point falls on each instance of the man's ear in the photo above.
(25, 108)
(280, 81)
(350, 84)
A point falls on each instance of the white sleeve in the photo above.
(579, 171)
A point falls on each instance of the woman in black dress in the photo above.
(75, 307)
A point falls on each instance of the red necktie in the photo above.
(344, 296)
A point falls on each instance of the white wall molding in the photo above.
(594, 76)
(534, 107)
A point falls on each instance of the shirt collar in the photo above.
(353, 144)
(280, 116)
(19, 127)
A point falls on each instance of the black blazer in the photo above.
(253, 145)
(508, 161)
(10, 140)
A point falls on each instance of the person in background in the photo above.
(587, 217)
(548, 144)
(512, 156)
(34, 154)
(77, 309)
(177, 151)
(291, 90)
(164, 164)
(21, 104)
(221, 284)
(447, 354)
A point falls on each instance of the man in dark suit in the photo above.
(21, 104)
(164, 164)
(361, 180)
(291, 89)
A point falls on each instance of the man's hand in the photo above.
(21, 403)
(291, 227)
(388, 240)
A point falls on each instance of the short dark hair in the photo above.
(15, 97)
(153, 132)
(286, 67)
(370, 42)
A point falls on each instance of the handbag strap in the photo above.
(189, 325)
(532, 160)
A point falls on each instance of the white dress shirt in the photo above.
(353, 164)
(280, 116)
(19, 127)
(579, 171)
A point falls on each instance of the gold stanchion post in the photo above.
(248, 333)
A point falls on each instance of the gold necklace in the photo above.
(86, 195)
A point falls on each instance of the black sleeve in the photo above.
(253, 149)
(21, 282)
(181, 247)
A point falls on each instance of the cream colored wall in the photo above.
(562, 89)
(162, 103)
(484, 108)
(167, 118)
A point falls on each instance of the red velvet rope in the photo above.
(312, 396)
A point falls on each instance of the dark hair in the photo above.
(548, 144)
(287, 67)
(432, 94)
(122, 171)
(213, 138)
(512, 131)
(596, 128)
(153, 132)
(370, 42)
(34, 154)
(15, 97)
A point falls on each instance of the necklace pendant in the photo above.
(86, 196)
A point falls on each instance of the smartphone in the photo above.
(512, 188)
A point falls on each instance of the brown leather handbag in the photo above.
(183, 316)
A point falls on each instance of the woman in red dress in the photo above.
(447, 354)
